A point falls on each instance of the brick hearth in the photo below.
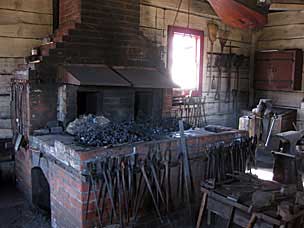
(63, 162)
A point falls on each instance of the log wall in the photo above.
(157, 15)
(284, 31)
(23, 23)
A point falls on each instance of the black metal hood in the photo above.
(102, 75)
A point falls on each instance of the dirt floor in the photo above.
(15, 212)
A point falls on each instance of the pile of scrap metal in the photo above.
(129, 181)
(98, 131)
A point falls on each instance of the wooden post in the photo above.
(254, 40)
(202, 210)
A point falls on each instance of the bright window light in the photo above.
(185, 68)
(263, 174)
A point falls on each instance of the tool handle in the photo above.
(252, 221)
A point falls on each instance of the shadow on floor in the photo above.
(15, 212)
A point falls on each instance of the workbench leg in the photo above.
(231, 216)
(252, 221)
(209, 218)
(202, 210)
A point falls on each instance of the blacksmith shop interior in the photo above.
(151, 113)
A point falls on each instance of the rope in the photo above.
(177, 12)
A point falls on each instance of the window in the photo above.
(186, 58)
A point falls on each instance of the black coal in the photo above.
(91, 134)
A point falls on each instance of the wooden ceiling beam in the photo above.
(287, 1)
(284, 5)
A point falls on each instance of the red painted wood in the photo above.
(238, 15)
(279, 70)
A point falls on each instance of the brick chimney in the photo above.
(101, 32)
(90, 32)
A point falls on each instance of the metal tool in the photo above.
(224, 34)
(218, 63)
(212, 35)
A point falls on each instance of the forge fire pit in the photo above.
(51, 171)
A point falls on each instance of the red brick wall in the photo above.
(67, 198)
(23, 159)
(69, 189)
(108, 32)
(69, 12)
(68, 192)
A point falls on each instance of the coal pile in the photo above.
(90, 133)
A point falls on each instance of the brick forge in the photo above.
(62, 162)
(89, 33)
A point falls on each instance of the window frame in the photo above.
(195, 32)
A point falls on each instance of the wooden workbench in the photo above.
(221, 202)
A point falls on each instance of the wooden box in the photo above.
(279, 70)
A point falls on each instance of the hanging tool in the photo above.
(212, 35)
(223, 37)
(237, 63)
(218, 64)
(204, 111)
(229, 68)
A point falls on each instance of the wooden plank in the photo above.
(4, 100)
(243, 83)
(25, 31)
(5, 124)
(293, 31)
(285, 18)
(288, 1)
(39, 6)
(283, 6)
(8, 65)
(281, 44)
(197, 7)
(16, 47)
(5, 112)
(10, 17)
(201, 24)
(6, 89)
(5, 79)
(279, 98)
(6, 133)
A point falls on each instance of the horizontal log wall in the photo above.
(284, 31)
(23, 24)
(157, 15)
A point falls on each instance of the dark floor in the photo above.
(15, 212)
(181, 220)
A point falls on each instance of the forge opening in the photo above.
(143, 105)
(40, 190)
(86, 103)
